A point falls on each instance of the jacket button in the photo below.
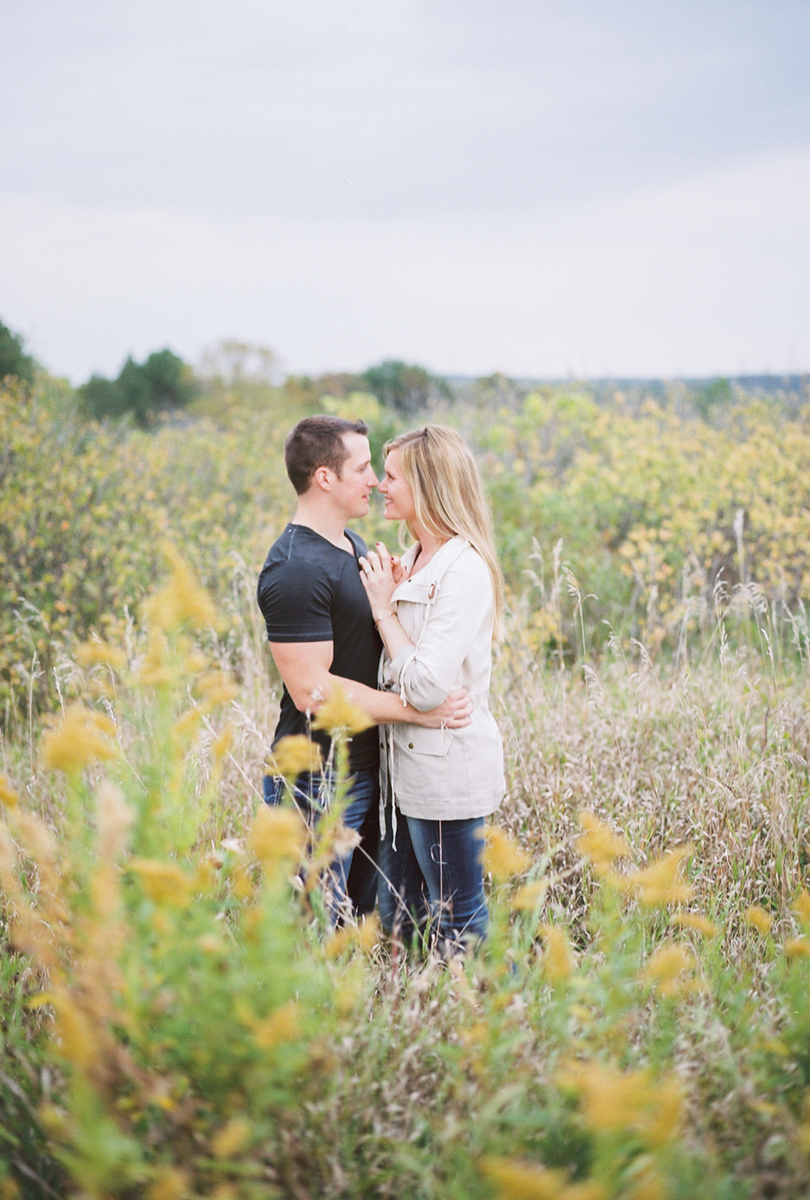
(410, 745)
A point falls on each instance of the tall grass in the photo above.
(180, 1021)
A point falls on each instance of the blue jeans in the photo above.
(352, 878)
(434, 877)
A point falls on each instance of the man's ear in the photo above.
(322, 476)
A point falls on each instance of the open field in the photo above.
(177, 1022)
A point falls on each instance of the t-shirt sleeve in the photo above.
(296, 600)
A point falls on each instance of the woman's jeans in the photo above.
(351, 881)
(434, 875)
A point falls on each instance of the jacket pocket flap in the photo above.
(413, 739)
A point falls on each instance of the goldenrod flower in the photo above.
(503, 858)
(666, 967)
(163, 882)
(599, 844)
(90, 654)
(293, 756)
(182, 600)
(695, 921)
(340, 715)
(8, 797)
(170, 1184)
(801, 906)
(280, 1026)
(517, 1180)
(232, 1138)
(660, 883)
(114, 819)
(632, 1100)
(77, 740)
(75, 1034)
(223, 743)
(529, 896)
(798, 947)
(365, 936)
(277, 834)
(759, 919)
(559, 959)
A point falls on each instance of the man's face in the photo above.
(351, 491)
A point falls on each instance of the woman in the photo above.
(436, 611)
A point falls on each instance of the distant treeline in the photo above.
(240, 374)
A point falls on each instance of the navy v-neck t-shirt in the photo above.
(310, 591)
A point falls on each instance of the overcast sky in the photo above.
(541, 187)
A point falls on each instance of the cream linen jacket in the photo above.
(446, 609)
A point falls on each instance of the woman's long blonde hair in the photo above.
(448, 494)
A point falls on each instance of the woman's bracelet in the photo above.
(382, 616)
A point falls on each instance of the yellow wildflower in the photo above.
(559, 959)
(223, 744)
(277, 834)
(114, 819)
(529, 896)
(8, 796)
(798, 947)
(615, 1100)
(269, 1032)
(293, 756)
(660, 883)
(209, 943)
(666, 968)
(759, 919)
(170, 1184)
(502, 856)
(74, 1032)
(517, 1180)
(801, 906)
(77, 740)
(650, 1187)
(340, 715)
(599, 844)
(182, 600)
(163, 882)
(232, 1138)
(365, 936)
(90, 654)
(697, 922)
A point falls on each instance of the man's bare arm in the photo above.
(304, 667)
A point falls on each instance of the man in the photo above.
(320, 630)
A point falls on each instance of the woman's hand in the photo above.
(377, 574)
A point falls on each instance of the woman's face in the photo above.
(394, 488)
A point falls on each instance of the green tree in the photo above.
(13, 359)
(404, 386)
(161, 383)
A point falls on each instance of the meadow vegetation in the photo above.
(178, 1018)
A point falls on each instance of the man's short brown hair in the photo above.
(318, 442)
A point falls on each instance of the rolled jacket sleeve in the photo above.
(425, 672)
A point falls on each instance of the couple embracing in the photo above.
(410, 642)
